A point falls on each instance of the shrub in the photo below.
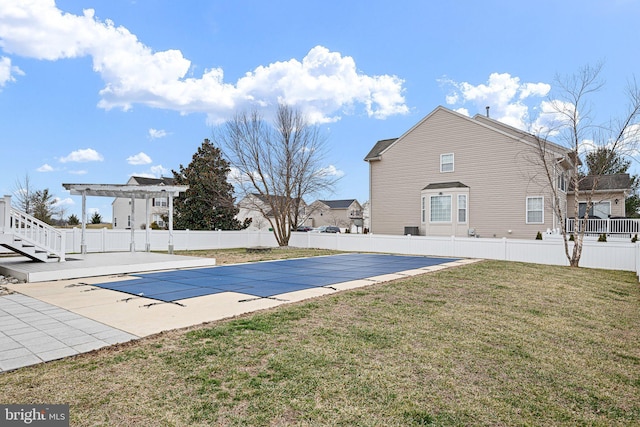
(602, 238)
(572, 238)
(634, 238)
(539, 236)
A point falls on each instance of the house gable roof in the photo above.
(338, 204)
(143, 180)
(377, 149)
(384, 145)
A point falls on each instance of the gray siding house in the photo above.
(453, 175)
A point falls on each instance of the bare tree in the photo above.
(23, 193)
(574, 129)
(276, 165)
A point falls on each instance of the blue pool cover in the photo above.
(266, 279)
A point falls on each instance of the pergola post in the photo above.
(133, 192)
(171, 224)
(147, 245)
(132, 245)
(83, 242)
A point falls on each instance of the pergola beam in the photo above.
(128, 191)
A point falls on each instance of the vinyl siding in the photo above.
(499, 170)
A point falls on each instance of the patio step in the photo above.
(23, 248)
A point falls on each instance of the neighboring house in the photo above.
(159, 207)
(455, 175)
(346, 214)
(257, 208)
(608, 199)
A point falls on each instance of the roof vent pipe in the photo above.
(488, 111)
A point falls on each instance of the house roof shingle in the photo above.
(338, 204)
(143, 180)
(441, 185)
(379, 148)
(618, 181)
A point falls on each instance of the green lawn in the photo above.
(491, 343)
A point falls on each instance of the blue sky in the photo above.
(97, 91)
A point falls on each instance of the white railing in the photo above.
(38, 233)
(613, 226)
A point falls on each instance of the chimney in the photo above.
(488, 111)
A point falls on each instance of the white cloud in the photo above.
(139, 159)
(332, 171)
(79, 172)
(323, 84)
(45, 168)
(159, 171)
(82, 155)
(156, 171)
(509, 99)
(157, 133)
(68, 201)
(7, 71)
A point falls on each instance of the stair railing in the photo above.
(38, 233)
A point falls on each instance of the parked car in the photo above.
(304, 228)
(326, 229)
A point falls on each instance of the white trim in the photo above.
(466, 209)
(452, 162)
(526, 210)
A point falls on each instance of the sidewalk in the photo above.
(32, 331)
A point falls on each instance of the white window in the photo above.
(160, 201)
(446, 162)
(440, 209)
(535, 210)
(562, 182)
(599, 210)
(462, 208)
(424, 210)
(157, 218)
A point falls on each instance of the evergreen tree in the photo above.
(42, 203)
(96, 218)
(73, 220)
(209, 203)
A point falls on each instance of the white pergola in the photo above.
(133, 192)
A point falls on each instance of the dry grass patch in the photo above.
(239, 255)
(491, 343)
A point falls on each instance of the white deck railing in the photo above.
(612, 226)
(35, 232)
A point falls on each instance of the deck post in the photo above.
(5, 214)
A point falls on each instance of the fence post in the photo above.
(504, 248)
(637, 244)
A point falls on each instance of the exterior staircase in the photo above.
(29, 236)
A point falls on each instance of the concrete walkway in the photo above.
(32, 331)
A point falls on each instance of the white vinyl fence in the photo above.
(615, 255)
